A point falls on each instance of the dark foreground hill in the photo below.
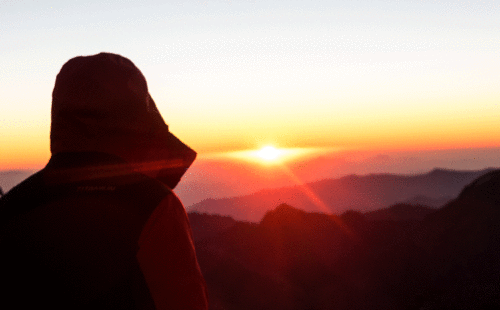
(362, 193)
(398, 258)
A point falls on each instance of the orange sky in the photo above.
(239, 75)
(26, 147)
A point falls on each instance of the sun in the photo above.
(269, 153)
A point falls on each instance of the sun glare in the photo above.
(269, 153)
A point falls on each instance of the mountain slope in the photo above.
(294, 259)
(363, 193)
(464, 238)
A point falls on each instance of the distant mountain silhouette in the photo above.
(222, 176)
(430, 202)
(208, 225)
(363, 193)
(400, 212)
(401, 257)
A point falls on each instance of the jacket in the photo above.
(99, 227)
(87, 232)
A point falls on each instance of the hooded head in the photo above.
(101, 103)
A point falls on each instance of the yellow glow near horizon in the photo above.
(270, 155)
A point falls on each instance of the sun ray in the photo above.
(316, 200)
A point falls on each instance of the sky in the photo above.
(237, 75)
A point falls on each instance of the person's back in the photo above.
(96, 228)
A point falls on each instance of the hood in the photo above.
(101, 103)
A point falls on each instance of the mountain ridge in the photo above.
(446, 259)
(364, 193)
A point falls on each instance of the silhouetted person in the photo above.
(1, 192)
(99, 227)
